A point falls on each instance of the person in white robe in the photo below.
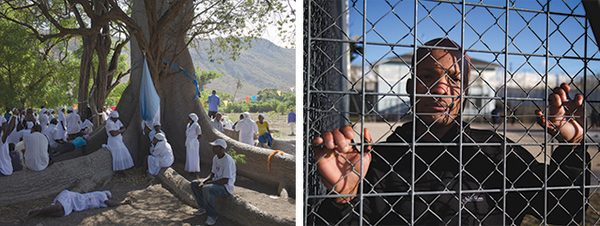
(161, 156)
(6, 167)
(36, 149)
(67, 201)
(73, 123)
(121, 157)
(192, 145)
(50, 114)
(157, 129)
(27, 130)
(246, 128)
(52, 134)
(44, 122)
(13, 136)
(62, 124)
(87, 127)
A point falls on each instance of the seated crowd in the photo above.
(30, 140)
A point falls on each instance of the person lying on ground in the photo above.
(67, 201)
(71, 146)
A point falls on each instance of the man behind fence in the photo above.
(468, 180)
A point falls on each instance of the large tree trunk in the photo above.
(85, 69)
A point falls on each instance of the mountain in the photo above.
(264, 65)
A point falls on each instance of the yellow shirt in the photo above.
(262, 127)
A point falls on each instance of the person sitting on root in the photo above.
(246, 128)
(161, 154)
(264, 133)
(67, 201)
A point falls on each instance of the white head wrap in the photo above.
(70, 109)
(159, 136)
(114, 114)
(261, 114)
(61, 108)
(194, 117)
(246, 115)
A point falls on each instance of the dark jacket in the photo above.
(441, 187)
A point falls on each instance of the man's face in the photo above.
(114, 119)
(438, 73)
(218, 117)
(157, 128)
(217, 150)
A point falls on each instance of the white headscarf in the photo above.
(114, 114)
(194, 117)
(159, 136)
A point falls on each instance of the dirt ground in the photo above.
(153, 203)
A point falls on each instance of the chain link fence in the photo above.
(500, 166)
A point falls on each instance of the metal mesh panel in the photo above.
(358, 64)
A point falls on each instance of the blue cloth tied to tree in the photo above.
(149, 99)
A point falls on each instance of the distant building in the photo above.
(385, 88)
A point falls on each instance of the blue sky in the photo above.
(392, 21)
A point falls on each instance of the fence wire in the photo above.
(499, 167)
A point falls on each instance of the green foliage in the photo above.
(33, 73)
(204, 77)
(267, 100)
(115, 95)
(236, 157)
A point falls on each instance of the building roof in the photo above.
(407, 58)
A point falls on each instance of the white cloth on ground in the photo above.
(73, 123)
(224, 168)
(36, 151)
(121, 157)
(246, 128)
(162, 156)
(192, 145)
(73, 201)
